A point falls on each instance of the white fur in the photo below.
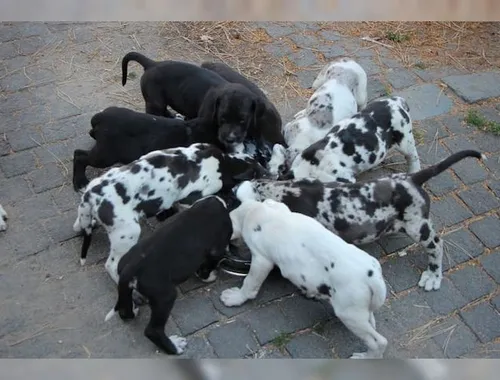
(3, 219)
(179, 342)
(318, 262)
(341, 90)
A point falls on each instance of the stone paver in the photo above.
(475, 87)
(54, 77)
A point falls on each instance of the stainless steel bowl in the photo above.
(235, 266)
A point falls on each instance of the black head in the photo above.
(234, 112)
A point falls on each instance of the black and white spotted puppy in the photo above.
(340, 91)
(360, 143)
(363, 212)
(3, 219)
(315, 260)
(122, 196)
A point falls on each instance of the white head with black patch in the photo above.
(245, 191)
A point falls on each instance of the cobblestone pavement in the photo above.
(55, 76)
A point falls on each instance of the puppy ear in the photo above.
(258, 107)
(209, 106)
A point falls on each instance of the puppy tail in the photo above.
(144, 61)
(422, 176)
(87, 238)
(378, 289)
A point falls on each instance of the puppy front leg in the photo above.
(259, 270)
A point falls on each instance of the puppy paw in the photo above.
(366, 355)
(211, 277)
(179, 342)
(358, 355)
(232, 297)
(430, 280)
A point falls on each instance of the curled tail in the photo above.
(426, 174)
(144, 61)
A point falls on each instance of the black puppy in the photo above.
(238, 115)
(192, 241)
(270, 123)
(123, 135)
(185, 88)
(180, 85)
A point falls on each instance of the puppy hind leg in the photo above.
(408, 148)
(119, 246)
(372, 320)
(161, 306)
(359, 323)
(259, 270)
(125, 304)
(425, 234)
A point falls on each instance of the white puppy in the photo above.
(318, 262)
(341, 90)
(3, 219)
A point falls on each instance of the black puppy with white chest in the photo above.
(239, 117)
(270, 122)
(190, 242)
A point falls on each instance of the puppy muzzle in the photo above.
(231, 136)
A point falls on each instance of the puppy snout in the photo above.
(231, 138)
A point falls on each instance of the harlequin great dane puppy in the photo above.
(363, 212)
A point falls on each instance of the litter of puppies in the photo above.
(224, 166)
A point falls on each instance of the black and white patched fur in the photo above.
(192, 240)
(3, 219)
(340, 92)
(315, 260)
(363, 212)
(122, 196)
(360, 143)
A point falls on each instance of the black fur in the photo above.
(180, 85)
(191, 241)
(123, 135)
(270, 122)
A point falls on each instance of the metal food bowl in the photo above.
(235, 264)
